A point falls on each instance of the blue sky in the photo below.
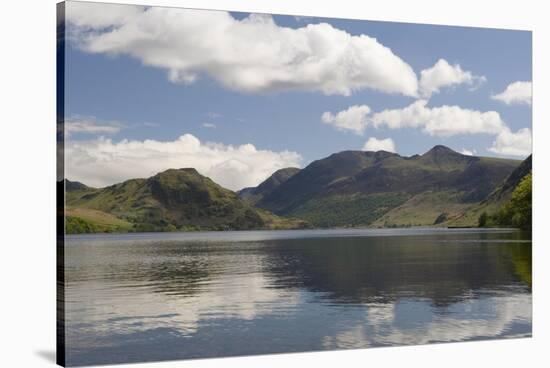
(116, 88)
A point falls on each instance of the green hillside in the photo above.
(85, 220)
(357, 188)
(497, 199)
(426, 208)
(518, 211)
(169, 201)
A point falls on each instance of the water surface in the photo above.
(148, 297)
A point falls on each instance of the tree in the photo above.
(482, 221)
(518, 211)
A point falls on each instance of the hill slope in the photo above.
(497, 198)
(172, 200)
(357, 188)
(71, 186)
(255, 194)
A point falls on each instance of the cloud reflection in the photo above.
(486, 317)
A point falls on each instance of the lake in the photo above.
(164, 296)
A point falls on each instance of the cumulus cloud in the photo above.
(468, 152)
(354, 119)
(90, 125)
(101, 16)
(374, 144)
(443, 74)
(253, 54)
(102, 162)
(213, 115)
(443, 121)
(208, 125)
(515, 93)
(513, 144)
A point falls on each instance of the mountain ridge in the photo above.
(255, 194)
(175, 199)
(356, 188)
(345, 189)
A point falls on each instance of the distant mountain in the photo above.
(71, 186)
(255, 194)
(176, 199)
(358, 188)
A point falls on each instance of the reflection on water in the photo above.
(154, 297)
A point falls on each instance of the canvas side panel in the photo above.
(60, 187)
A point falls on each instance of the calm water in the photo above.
(147, 297)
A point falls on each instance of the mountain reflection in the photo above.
(366, 270)
(442, 268)
(129, 301)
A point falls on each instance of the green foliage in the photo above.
(515, 212)
(496, 199)
(82, 222)
(482, 221)
(174, 200)
(441, 218)
(76, 225)
(170, 227)
(518, 211)
(145, 228)
(189, 228)
(348, 210)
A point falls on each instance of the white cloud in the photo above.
(213, 115)
(513, 144)
(90, 125)
(443, 74)
(354, 119)
(150, 125)
(208, 125)
(374, 144)
(468, 152)
(102, 162)
(515, 93)
(251, 55)
(443, 121)
(101, 16)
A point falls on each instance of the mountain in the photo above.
(506, 189)
(498, 197)
(350, 188)
(176, 199)
(359, 188)
(255, 194)
(71, 186)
